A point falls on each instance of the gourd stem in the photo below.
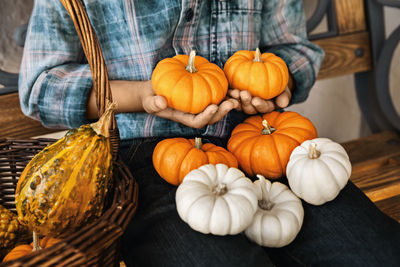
(268, 129)
(264, 203)
(313, 153)
(36, 245)
(102, 126)
(257, 56)
(197, 143)
(220, 189)
(190, 66)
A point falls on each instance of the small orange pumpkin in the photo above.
(25, 249)
(175, 157)
(263, 144)
(189, 83)
(263, 75)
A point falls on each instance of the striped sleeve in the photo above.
(285, 35)
(54, 84)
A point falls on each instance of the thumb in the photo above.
(154, 104)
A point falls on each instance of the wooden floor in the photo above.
(376, 169)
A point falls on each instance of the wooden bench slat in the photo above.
(391, 207)
(13, 123)
(350, 16)
(340, 55)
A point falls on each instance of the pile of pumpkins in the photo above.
(64, 186)
(213, 195)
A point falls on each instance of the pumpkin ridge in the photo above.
(208, 87)
(67, 189)
(187, 153)
(172, 177)
(277, 153)
(217, 92)
(277, 132)
(41, 157)
(175, 88)
(332, 173)
(256, 140)
(212, 213)
(229, 211)
(189, 208)
(99, 174)
(34, 174)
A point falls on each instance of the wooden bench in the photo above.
(353, 45)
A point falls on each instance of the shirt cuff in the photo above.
(64, 92)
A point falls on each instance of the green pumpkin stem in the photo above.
(313, 152)
(36, 245)
(190, 66)
(102, 126)
(197, 143)
(257, 56)
(268, 129)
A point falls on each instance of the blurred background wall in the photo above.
(332, 104)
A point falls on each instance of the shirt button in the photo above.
(189, 14)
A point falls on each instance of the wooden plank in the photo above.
(376, 164)
(373, 151)
(341, 55)
(350, 16)
(391, 207)
(380, 183)
(13, 123)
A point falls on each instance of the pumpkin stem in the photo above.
(257, 56)
(264, 203)
(101, 127)
(197, 143)
(36, 245)
(220, 189)
(190, 66)
(268, 129)
(313, 153)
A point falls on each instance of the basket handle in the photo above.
(91, 48)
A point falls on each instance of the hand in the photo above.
(253, 105)
(157, 105)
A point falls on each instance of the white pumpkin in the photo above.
(279, 215)
(216, 199)
(317, 170)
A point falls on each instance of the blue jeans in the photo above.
(348, 231)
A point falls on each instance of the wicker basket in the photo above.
(96, 244)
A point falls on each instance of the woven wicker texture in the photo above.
(96, 244)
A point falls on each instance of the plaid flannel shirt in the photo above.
(55, 79)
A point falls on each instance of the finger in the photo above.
(154, 104)
(235, 93)
(247, 107)
(282, 100)
(191, 120)
(223, 109)
(262, 106)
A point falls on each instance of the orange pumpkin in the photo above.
(25, 249)
(263, 75)
(175, 157)
(263, 144)
(189, 83)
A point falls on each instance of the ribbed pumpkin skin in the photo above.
(18, 252)
(65, 184)
(185, 91)
(269, 154)
(175, 157)
(265, 79)
(25, 249)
